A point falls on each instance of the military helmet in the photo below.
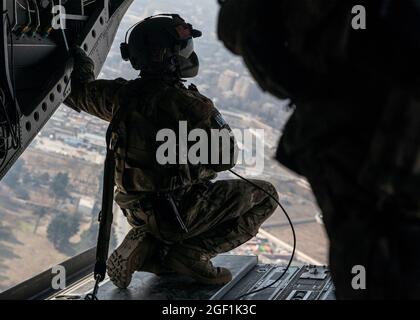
(162, 44)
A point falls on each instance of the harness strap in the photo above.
(113, 140)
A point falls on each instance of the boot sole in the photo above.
(181, 268)
(124, 261)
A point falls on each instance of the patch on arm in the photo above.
(220, 120)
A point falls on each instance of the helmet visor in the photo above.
(187, 48)
(188, 68)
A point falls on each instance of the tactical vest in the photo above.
(133, 138)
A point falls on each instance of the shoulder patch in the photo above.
(219, 119)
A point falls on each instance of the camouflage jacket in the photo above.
(149, 105)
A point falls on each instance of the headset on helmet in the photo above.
(180, 57)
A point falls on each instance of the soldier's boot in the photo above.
(138, 252)
(197, 265)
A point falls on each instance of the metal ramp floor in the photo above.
(299, 283)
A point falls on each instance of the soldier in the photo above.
(355, 130)
(180, 218)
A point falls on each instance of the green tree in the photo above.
(44, 178)
(6, 250)
(59, 185)
(21, 192)
(39, 212)
(61, 228)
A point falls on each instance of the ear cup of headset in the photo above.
(125, 51)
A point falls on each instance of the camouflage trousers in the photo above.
(219, 216)
(362, 159)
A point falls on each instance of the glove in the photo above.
(84, 67)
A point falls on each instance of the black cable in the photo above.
(4, 140)
(7, 127)
(15, 137)
(94, 295)
(291, 227)
(4, 146)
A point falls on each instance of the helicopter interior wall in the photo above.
(40, 65)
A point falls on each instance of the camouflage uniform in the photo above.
(219, 215)
(355, 130)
